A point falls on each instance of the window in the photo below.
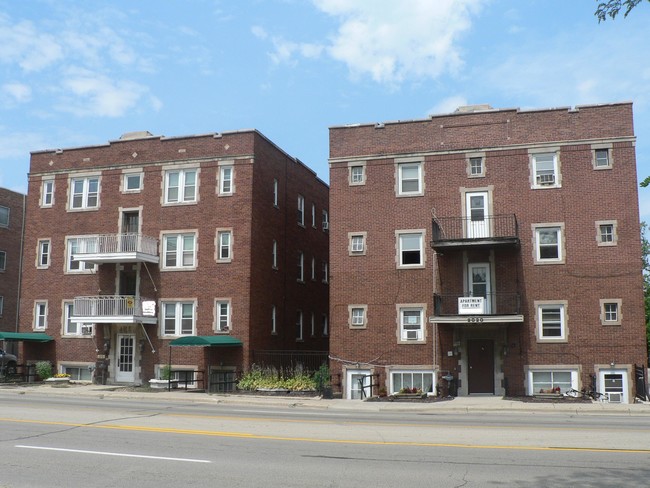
(301, 210)
(313, 325)
(421, 380)
(3, 260)
(132, 182)
(299, 325)
(549, 243)
(274, 254)
(610, 311)
(69, 327)
(181, 186)
(606, 234)
(547, 381)
(179, 251)
(357, 175)
(409, 178)
(545, 170)
(47, 193)
(325, 323)
(275, 192)
(84, 193)
(357, 243)
(326, 221)
(301, 267)
(313, 215)
(410, 249)
(411, 323)
(357, 316)
(551, 321)
(178, 318)
(313, 268)
(274, 325)
(78, 373)
(40, 315)
(225, 180)
(475, 166)
(2, 304)
(224, 246)
(325, 272)
(43, 257)
(4, 216)
(602, 156)
(77, 246)
(222, 309)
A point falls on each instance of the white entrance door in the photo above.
(478, 281)
(477, 212)
(613, 383)
(125, 352)
(358, 380)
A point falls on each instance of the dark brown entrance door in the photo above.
(480, 361)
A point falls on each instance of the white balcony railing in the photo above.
(116, 247)
(114, 308)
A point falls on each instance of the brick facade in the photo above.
(11, 233)
(561, 180)
(186, 225)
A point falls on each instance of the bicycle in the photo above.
(586, 394)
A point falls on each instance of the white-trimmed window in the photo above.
(274, 254)
(179, 251)
(551, 321)
(226, 186)
(313, 324)
(409, 179)
(181, 186)
(357, 174)
(222, 315)
(411, 323)
(546, 169)
(224, 245)
(78, 371)
(84, 193)
(326, 221)
(275, 192)
(43, 253)
(420, 380)
(40, 315)
(4, 216)
(299, 320)
(3, 260)
(313, 215)
(606, 232)
(274, 317)
(475, 165)
(47, 193)
(76, 245)
(544, 381)
(602, 156)
(313, 268)
(549, 243)
(132, 182)
(357, 316)
(410, 249)
(325, 325)
(357, 243)
(325, 271)
(610, 311)
(301, 267)
(178, 318)
(70, 327)
(301, 210)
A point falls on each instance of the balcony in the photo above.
(462, 308)
(116, 309)
(463, 232)
(116, 248)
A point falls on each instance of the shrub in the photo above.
(272, 378)
(44, 369)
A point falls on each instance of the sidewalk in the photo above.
(459, 405)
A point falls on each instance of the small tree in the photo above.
(645, 250)
(44, 370)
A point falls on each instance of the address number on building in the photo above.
(474, 320)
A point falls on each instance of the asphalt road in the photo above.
(87, 442)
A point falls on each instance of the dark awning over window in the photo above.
(216, 340)
(25, 336)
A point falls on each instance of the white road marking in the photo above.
(116, 454)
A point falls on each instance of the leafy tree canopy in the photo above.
(612, 8)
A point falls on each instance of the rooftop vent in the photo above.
(473, 108)
(139, 134)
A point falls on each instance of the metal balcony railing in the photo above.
(117, 243)
(113, 308)
(493, 227)
(498, 303)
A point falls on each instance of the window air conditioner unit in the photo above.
(546, 179)
(326, 225)
(411, 335)
(86, 330)
(615, 397)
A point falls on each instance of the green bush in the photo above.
(44, 369)
(271, 378)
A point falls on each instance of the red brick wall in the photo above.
(10, 243)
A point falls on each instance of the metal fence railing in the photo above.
(116, 243)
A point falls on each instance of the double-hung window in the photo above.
(225, 180)
(3, 260)
(275, 192)
(47, 193)
(4, 216)
(325, 324)
(411, 323)
(301, 210)
(410, 247)
(299, 323)
(222, 312)
(179, 251)
(409, 177)
(551, 321)
(40, 314)
(274, 254)
(84, 193)
(549, 243)
(545, 170)
(181, 185)
(224, 245)
(301, 267)
(178, 318)
(79, 245)
(602, 156)
(70, 327)
(43, 257)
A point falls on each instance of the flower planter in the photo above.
(58, 381)
(163, 384)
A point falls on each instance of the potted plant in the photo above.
(166, 379)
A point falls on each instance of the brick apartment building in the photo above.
(218, 241)
(12, 210)
(487, 252)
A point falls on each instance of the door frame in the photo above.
(488, 282)
(489, 363)
(349, 383)
(625, 398)
(477, 231)
(119, 376)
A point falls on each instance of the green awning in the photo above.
(25, 336)
(215, 340)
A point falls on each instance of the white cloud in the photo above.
(393, 41)
(23, 44)
(448, 105)
(17, 92)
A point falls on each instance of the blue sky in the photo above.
(75, 73)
